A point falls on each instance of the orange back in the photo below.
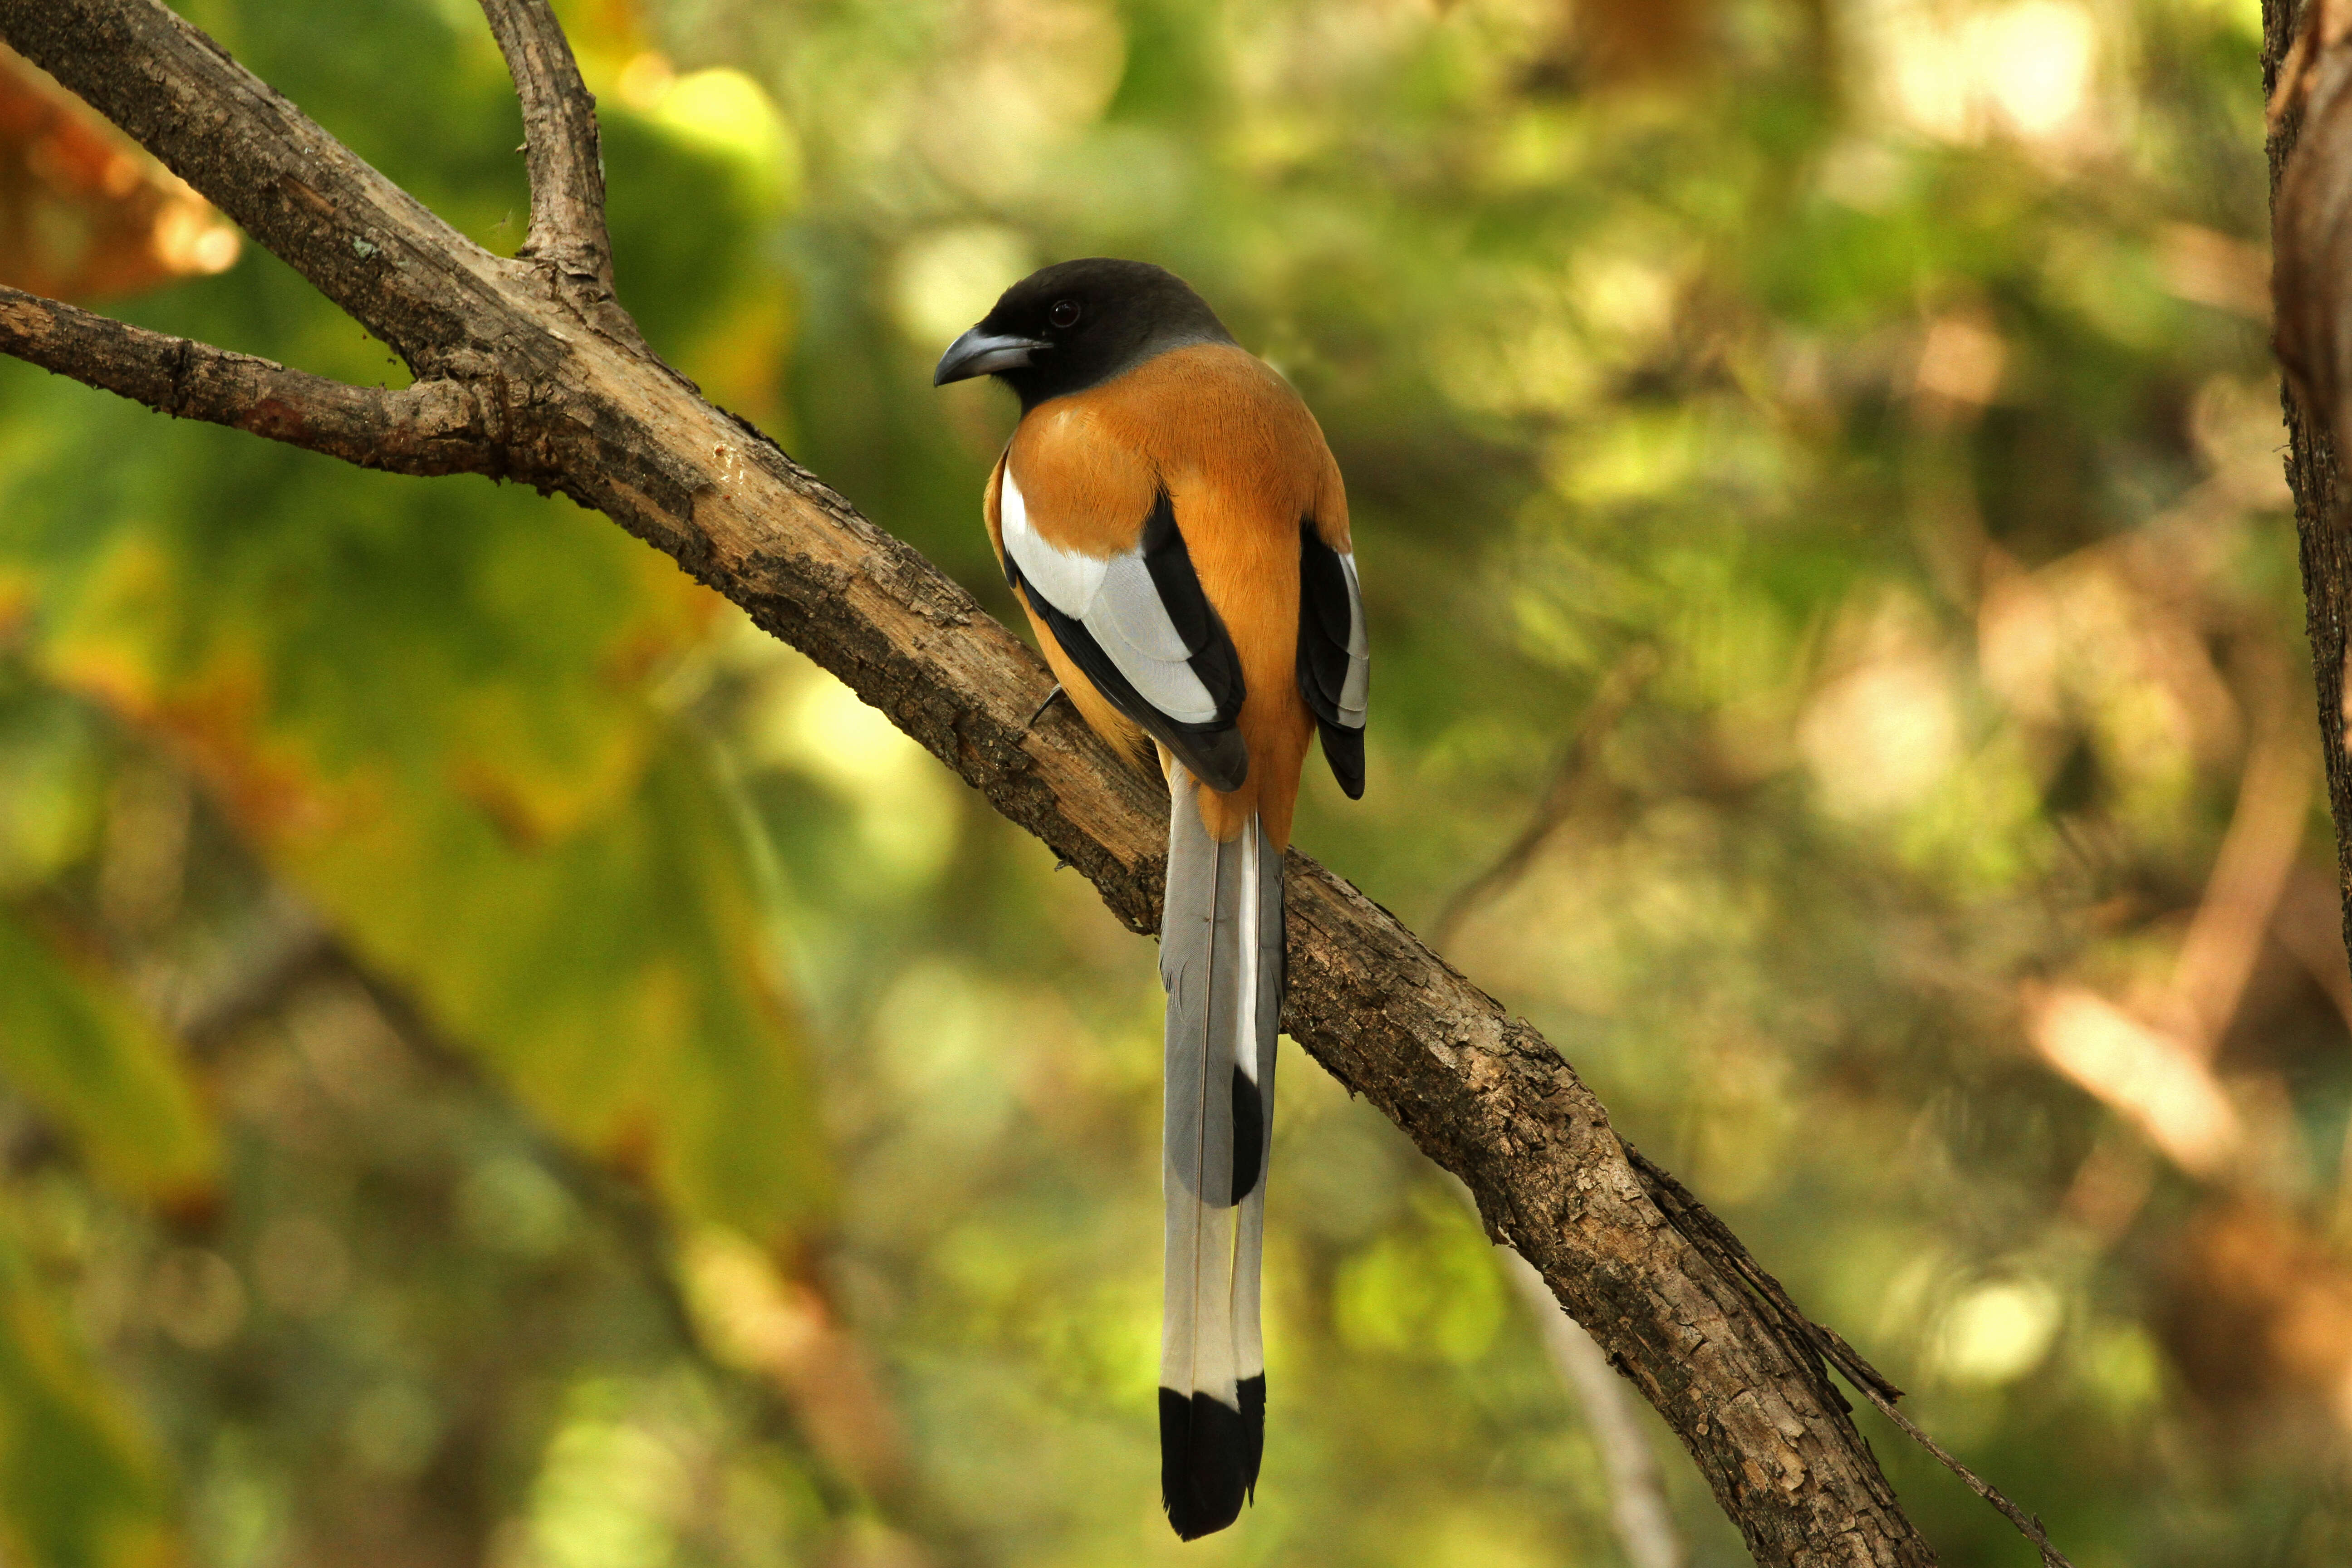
(1244, 463)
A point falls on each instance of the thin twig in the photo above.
(1808, 1343)
(1618, 690)
(296, 952)
(1715, 1238)
(431, 428)
(1700, 1226)
(2028, 1525)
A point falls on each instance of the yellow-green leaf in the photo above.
(104, 1073)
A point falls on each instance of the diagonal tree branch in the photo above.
(432, 427)
(581, 408)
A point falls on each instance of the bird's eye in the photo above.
(1065, 313)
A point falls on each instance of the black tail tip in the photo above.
(1209, 1455)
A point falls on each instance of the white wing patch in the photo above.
(1068, 580)
(1117, 601)
(1355, 690)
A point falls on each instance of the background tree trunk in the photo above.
(2306, 75)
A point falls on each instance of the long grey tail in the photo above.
(1220, 958)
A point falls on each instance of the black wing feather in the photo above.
(1214, 657)
(1326, 611)
(1211, 751)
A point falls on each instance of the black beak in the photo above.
(982, 354)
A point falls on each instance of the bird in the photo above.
(1173, 525)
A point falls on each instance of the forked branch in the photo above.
(566, 160)
(560, 140)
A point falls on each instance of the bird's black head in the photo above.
(1077, 323)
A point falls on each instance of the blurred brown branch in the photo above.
(574, 402)
(1618, 689)
(822, 1399)
(821, 1402)
(2153, 1060)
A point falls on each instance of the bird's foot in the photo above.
(1050, 698)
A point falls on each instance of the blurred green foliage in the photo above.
(503, 1064)
(76, 1048)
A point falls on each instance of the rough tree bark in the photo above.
(530, 370)
(2307, 71)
